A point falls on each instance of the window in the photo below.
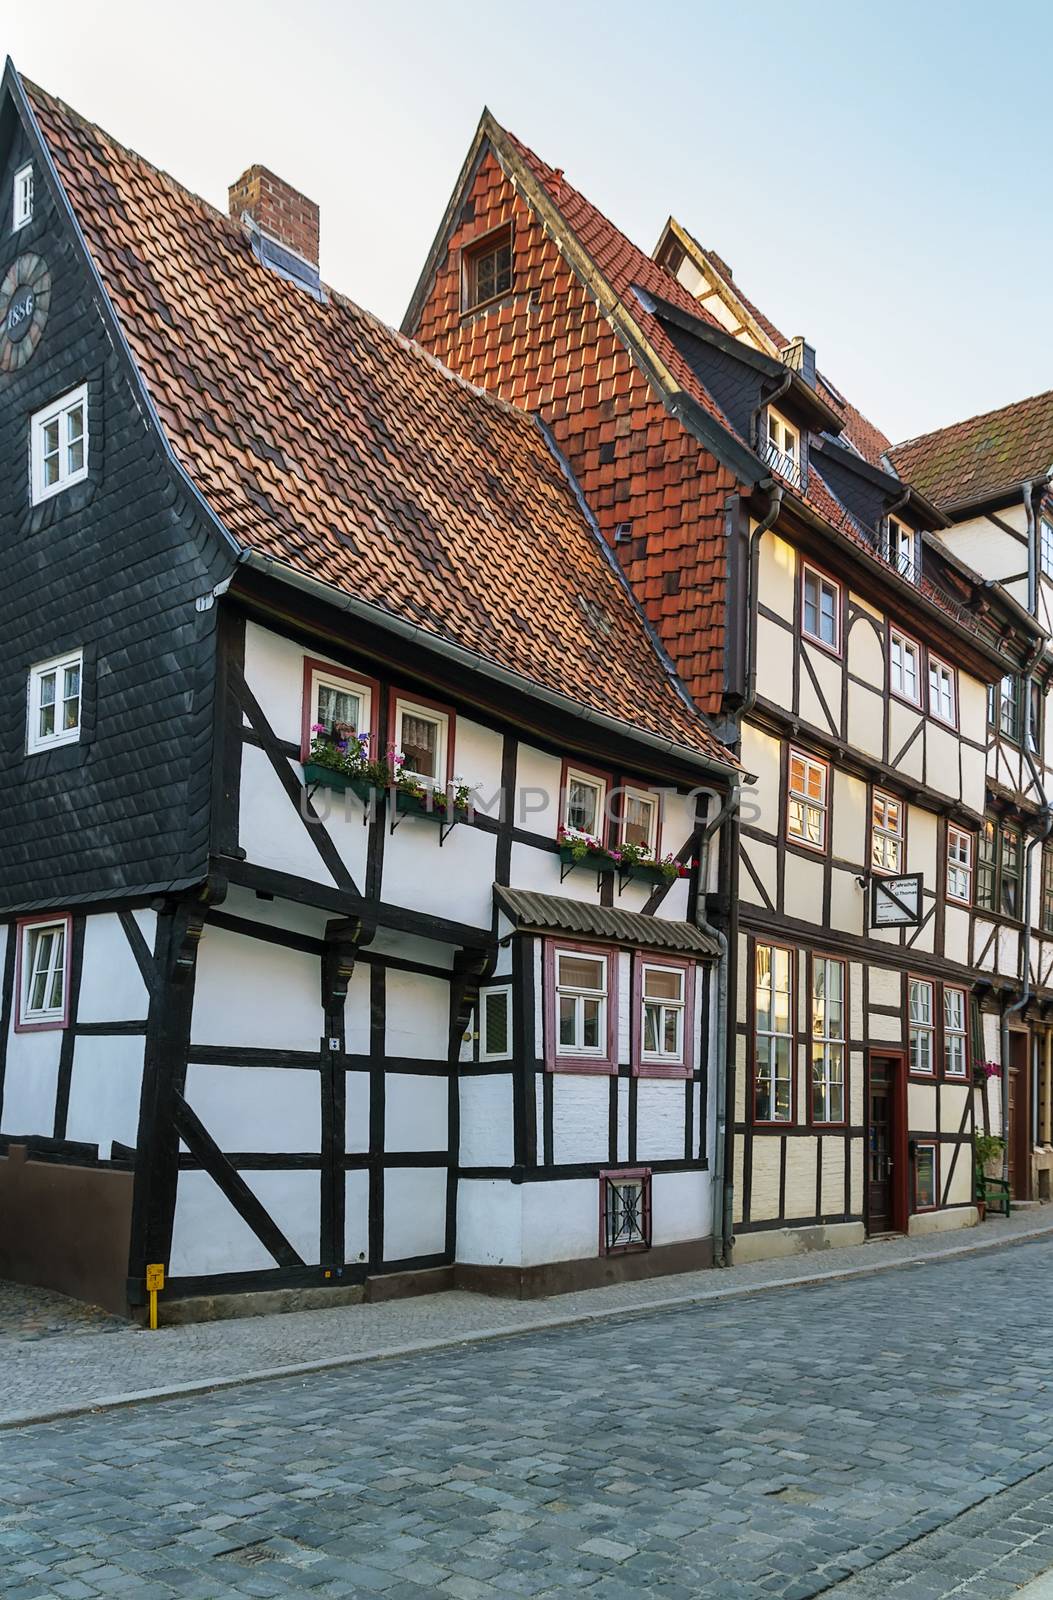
(987, 866)
(886, 833)
(806, 801)
(582, 1009)
(1047, 889)
(959, 865)
(60, 444)
(625, 1211)
(663, 1014)
(495, 1023)
(488, 269)
(772, 1035)
(922, 1027)
(54, 701)
(1046, 547)
(942, 697)
(901, 547)
(821, 609)
(22, 203)
(1009, 709)
(421, 736)
(1009, 872)
(904, 667)
(640, 819)
(336, 701)
(828, 1040)
(584, 797)
(955, 1049)
(784, 447)
(1034, 716)
(925, 1183)
(43, 978)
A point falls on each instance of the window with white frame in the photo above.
(886, 832)
(784, 446)
(22, 199)
(904, 658)
(582, 985)
(828, 1040)
(922, 1027)
(925, 1196)
(495, 1023)
(663, 999)
(959, 865)
(421, 735)
(340, 705)
(1009, 708)
(821, 609)
(59, 436)
(625, 1205)
(901, 547)
(772, 1035)
(806, 800)
(584, 799)
(1046, 546)
(44, 955)
(942, 697)
(640, 819)
(955, 1032)
(53, 711)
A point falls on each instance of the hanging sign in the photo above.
(896, 902)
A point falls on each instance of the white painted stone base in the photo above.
(942, 1221)
(770, 1243)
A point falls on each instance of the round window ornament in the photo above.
(25, 297)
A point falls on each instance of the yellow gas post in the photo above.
(155, 1280)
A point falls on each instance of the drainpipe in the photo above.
(1018, 1005)
(722, 1182)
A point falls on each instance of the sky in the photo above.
(875, 171)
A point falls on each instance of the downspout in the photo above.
(721, 1185)
(1036, 839)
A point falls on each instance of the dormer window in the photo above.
(487, 271)
(22, 204)
(783, 447)
(901, 548)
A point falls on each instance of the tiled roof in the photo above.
(980, 458)
(326, 440)
(554, 912)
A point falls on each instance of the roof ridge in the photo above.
(979, 416)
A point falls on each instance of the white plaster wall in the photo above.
(776, 647)
(257, 1108)
(356, 1112)
(537, 792)
(254, 994)
(104, 1092)
(579, 1118)
(31, 1082)
(764, 860)
(293, 1200)
(270, 829)
(486, 1122)
(112, 987)
(356, 1012)
(477, 759)
(418, 1015)
(760, 756)
(414, 1212)
(680, 1207)
(453, 880)
(208, 1236)
(561, 1220)
(941, 766)
(356, 1216)
(345, 819)
(415, 1112)
(866, 718)
(490, 1222)
(274, 673)
(764, 1183)
(660, 1119)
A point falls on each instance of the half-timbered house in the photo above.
(843, 650)
(357, 829)
(990, 475)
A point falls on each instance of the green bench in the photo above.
(994, 1193)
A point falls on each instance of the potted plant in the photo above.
(988, 1150)
(340, 759)
(636, 861)
(580, 849)
(983, 1071)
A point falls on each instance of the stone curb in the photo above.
(479, 1335)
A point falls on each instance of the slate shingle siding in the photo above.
(114, 566)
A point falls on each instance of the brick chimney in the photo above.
(277, 209)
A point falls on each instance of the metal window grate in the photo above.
(625, 1213)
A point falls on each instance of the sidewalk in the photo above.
(64, 1375)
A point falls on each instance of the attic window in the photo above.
(671, 257)
(487, 269)
(22, 204)
(783, 447)
(595, 616)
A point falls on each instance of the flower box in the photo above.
(329, 778)
(416, 805)
(593, 860)
(648, 872)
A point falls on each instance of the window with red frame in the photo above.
(773, 1034)
(488, 269)
(959, 865)
(625, 1211)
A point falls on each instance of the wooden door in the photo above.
(1019, 1139)
(886, 1157)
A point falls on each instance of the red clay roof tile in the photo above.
(982, 457)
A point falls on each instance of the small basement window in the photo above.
(54, 703)
(625, 1211)
(487, 273)
(925, 1178)
(22, 201)
(495, 1023)
(59, 444)
(43, 954)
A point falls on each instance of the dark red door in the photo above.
(884, 1138)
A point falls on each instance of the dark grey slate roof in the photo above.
(553, 912)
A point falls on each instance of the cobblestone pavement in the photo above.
(59, 1375)
(888, 1434)
(29, 1314)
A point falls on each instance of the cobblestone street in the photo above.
(888, 1434)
